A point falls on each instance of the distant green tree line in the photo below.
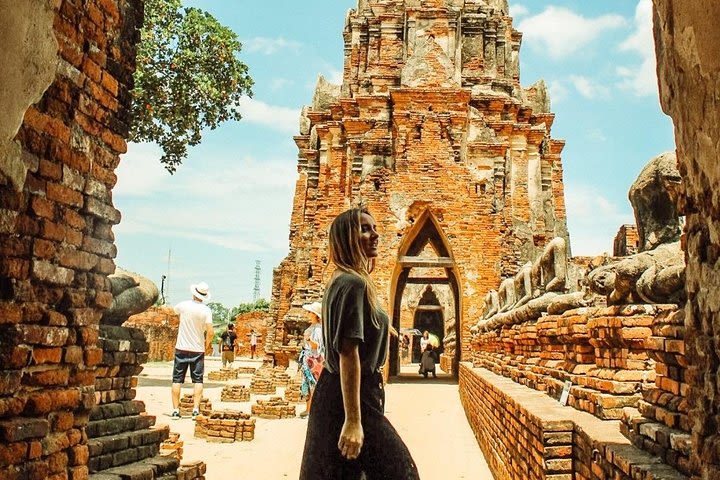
(223, 315)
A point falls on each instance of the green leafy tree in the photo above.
(188, 78)
(261, 304)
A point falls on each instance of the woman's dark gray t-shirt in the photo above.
(347, 314)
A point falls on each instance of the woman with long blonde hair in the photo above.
(348, 435)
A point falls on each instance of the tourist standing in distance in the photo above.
(195, 334)
(405, 348)
(348, 434)
(424, 340)
(253, 342)
(228, 345)
(312, 355)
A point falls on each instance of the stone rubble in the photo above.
(235, 393)
(225, 426)
(187, 404)
(272, 409)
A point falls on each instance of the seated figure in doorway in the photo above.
(427, 361)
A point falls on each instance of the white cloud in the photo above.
(558, 91)
(269, 46)
(334, 76)
(279, 83)
(596, 135)
(640, 79)
(517, 10)
(283, 119)
(593, 220)
(237, 204)
(561, 32)
(589, 88)
(140, 170)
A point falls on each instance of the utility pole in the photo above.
(162, 289)
(256, 290)
(166, 298)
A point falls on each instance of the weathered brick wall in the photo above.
(56, 243)
(661, 426)
(526, 435)
(516, 444)
(626, 241)
(246, 322)
(160, 326)
(602, 351)
(687, 43)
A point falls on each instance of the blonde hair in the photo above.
(346, 251)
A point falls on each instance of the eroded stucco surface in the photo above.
(29, 59)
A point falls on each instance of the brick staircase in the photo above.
(123, 442)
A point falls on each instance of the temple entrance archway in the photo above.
(425, 289)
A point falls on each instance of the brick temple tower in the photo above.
(431, 131)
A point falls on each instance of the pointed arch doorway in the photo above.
(426, 260)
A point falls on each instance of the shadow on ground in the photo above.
(442, 378)
(165, 382)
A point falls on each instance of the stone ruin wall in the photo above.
(424, 128)
(687, 44)
(160, 327)
(646, 372)
(244, 323)
(626, 241)
(67, 71)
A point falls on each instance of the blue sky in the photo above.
(229, 204)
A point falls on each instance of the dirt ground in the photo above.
(426, 412)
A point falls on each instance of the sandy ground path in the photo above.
(427, 414)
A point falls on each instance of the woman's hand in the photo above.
(351, 439)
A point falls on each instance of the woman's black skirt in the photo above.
(383, 456)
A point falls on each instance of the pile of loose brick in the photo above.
(262, 385)
(662, 425)
(235, 393)
(264, 382)
(187, 404)
(225, 426)
(281, 379)
(191, 471)
(292, 392)
(121, 440)
(223, 375)
(245, 370)
(172, 446)
(273, 408)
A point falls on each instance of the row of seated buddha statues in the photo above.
(611, 326)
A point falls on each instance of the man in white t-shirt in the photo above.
(195, 334)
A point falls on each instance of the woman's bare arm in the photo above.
(351, 435)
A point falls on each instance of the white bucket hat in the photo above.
(315, 307)
(201, 291)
